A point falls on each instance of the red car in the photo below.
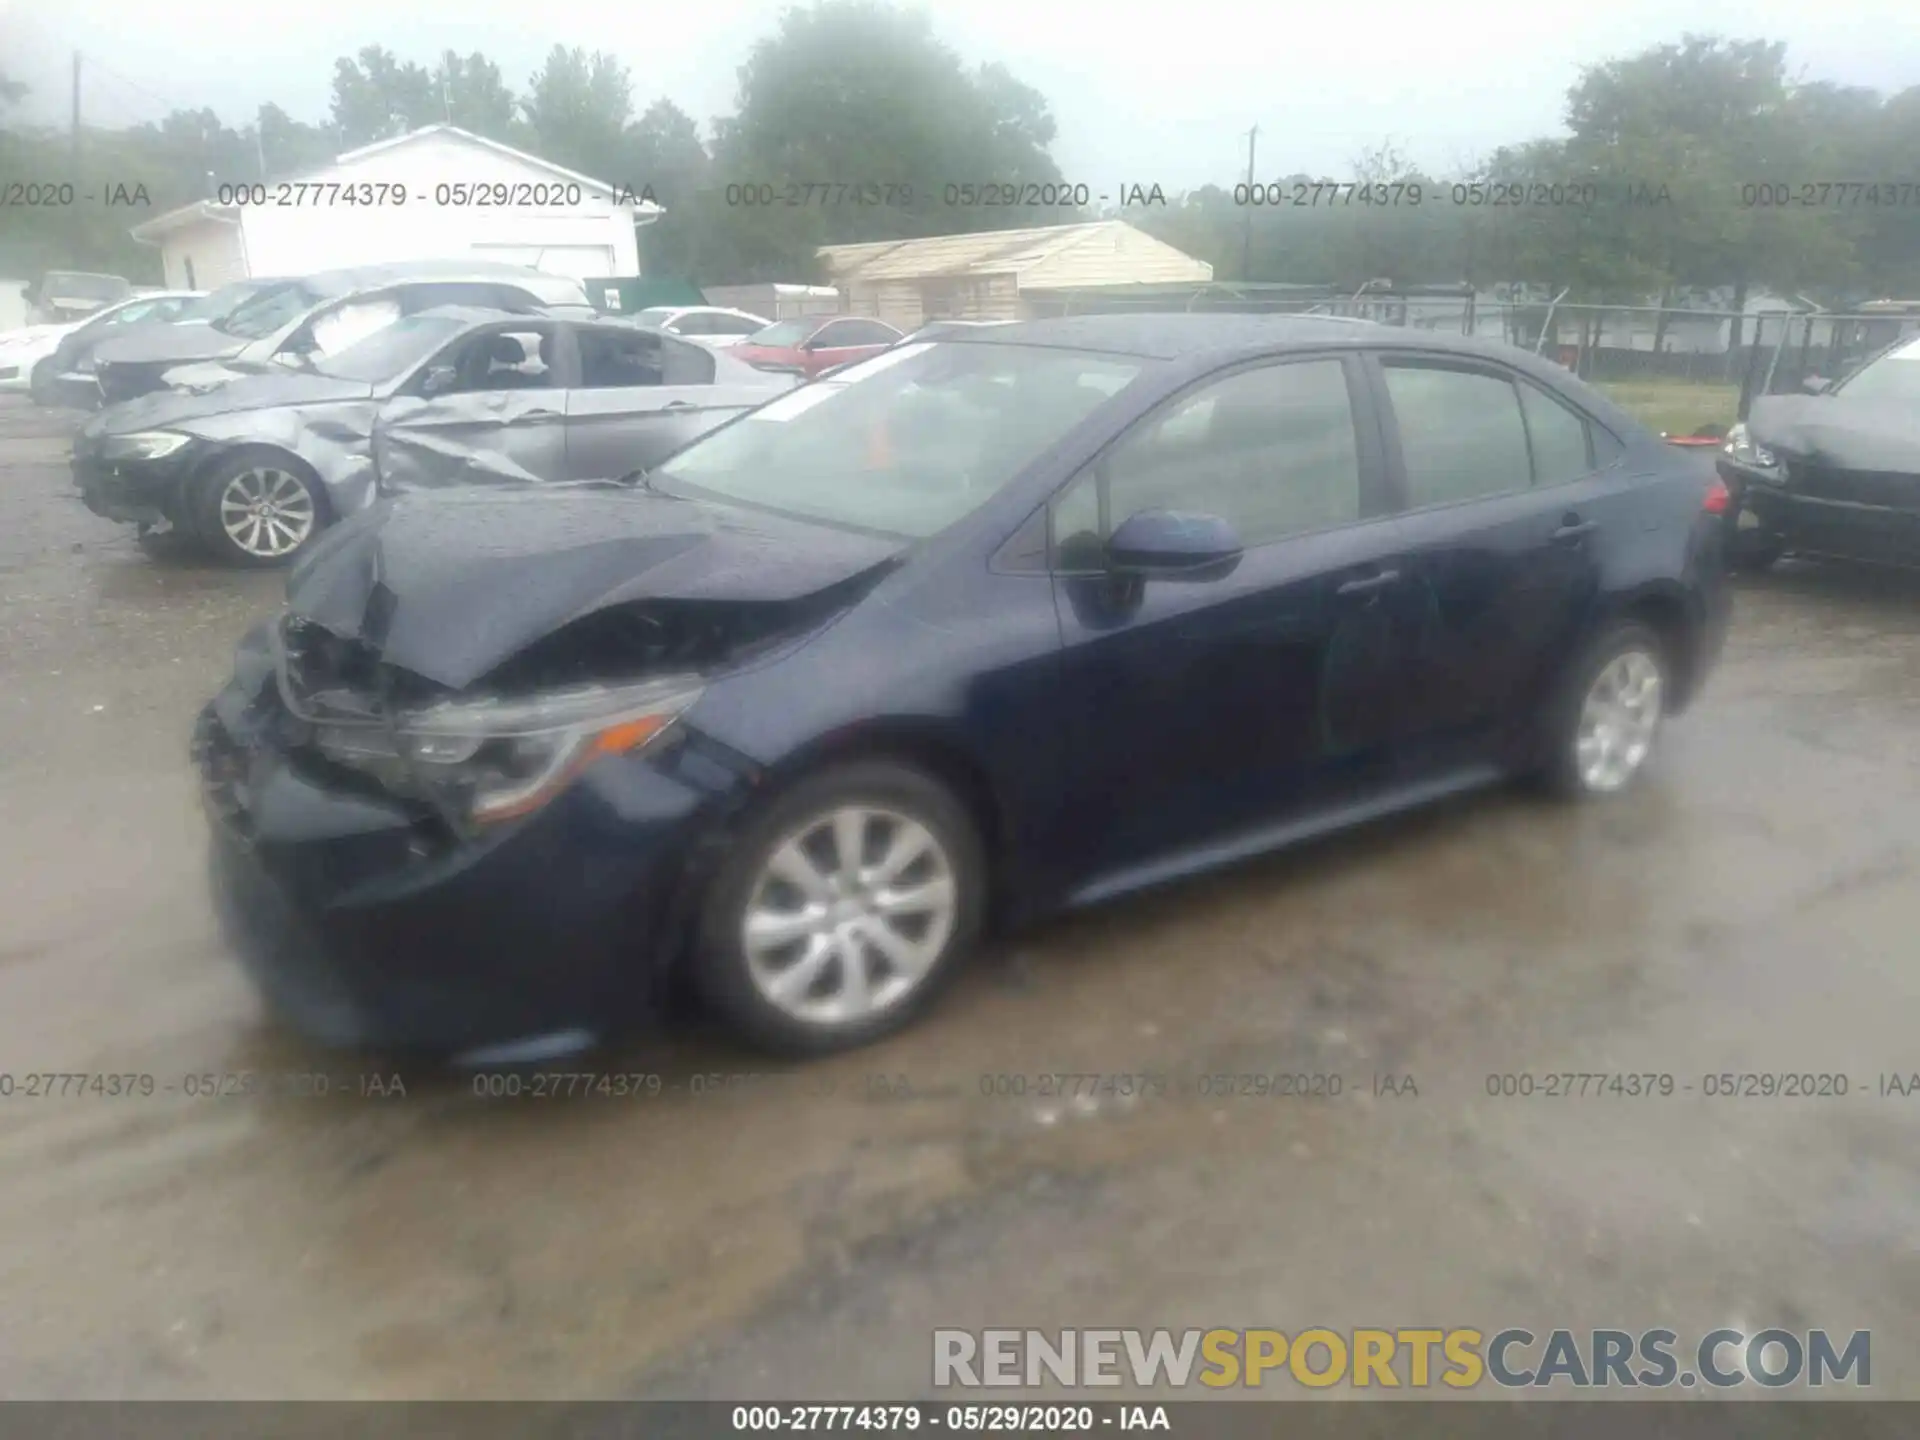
(814, 343)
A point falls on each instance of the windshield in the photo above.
(785, 333)
(905, 443)
(390, 351)
(1894, 376)
(658, 315)
(259, 317)
(220, 303)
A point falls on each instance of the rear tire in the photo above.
(257, 509)
(1602, 725)
(804, 950)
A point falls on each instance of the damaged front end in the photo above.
(1820, 475)
(402, 867)
(477, 758)
(458, 790)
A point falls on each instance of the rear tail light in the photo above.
(1717, 498)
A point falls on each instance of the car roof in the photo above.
(157, 295)
(474, 315)
(1183, 336)
(1174, 336)
(1202, 341)
(354, 279)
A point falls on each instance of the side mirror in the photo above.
(1816, 385)
(1174, 543)
(439, 379)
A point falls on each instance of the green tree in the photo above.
(288, 146)
(473, 96)
(577, 109)
(1673, 134)
(664, 157)
(376, 97)
(852, 93)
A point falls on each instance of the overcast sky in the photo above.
(1144, 93)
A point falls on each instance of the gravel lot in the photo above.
(1752, 908)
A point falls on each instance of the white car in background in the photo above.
(709, 324)
(22, 349)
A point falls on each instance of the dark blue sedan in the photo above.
(985, 627)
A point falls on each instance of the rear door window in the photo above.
(613, 358)
(1561, 441)
(1462, 435)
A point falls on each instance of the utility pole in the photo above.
(1246, 234)
(78, 227)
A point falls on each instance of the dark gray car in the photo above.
(450, 396)
(292, 318)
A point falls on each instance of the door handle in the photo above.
(1573, 529)
(1371, 584)
(678, 405)
(539, 414)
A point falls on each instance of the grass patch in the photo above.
(1678, 407)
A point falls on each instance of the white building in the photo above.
(552, 218)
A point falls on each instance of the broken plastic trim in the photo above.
(486, 758)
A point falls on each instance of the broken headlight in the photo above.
(143, 445)
(1744, 450)
(498, 758)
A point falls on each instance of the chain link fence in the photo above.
(1758, 351)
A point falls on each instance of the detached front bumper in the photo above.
(366, 923)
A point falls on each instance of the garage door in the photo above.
(579, 262)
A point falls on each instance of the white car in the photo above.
(709, 324)
(22, 349)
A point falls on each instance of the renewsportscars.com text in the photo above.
(1458, 1359)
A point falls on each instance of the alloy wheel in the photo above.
(266, 512)
(848, 915)
(1618, 719)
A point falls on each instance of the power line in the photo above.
(94, 64)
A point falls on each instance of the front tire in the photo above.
(40, 384)
(1603, 724)
(842, 909)
(258, 509)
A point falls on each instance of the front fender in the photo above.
(333, 440)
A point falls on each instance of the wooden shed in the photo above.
(983, 275)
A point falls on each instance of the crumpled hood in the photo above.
(1832, 430)
(451, 584)
(247, 392)
(170, 344)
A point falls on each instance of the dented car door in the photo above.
(489, 409)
